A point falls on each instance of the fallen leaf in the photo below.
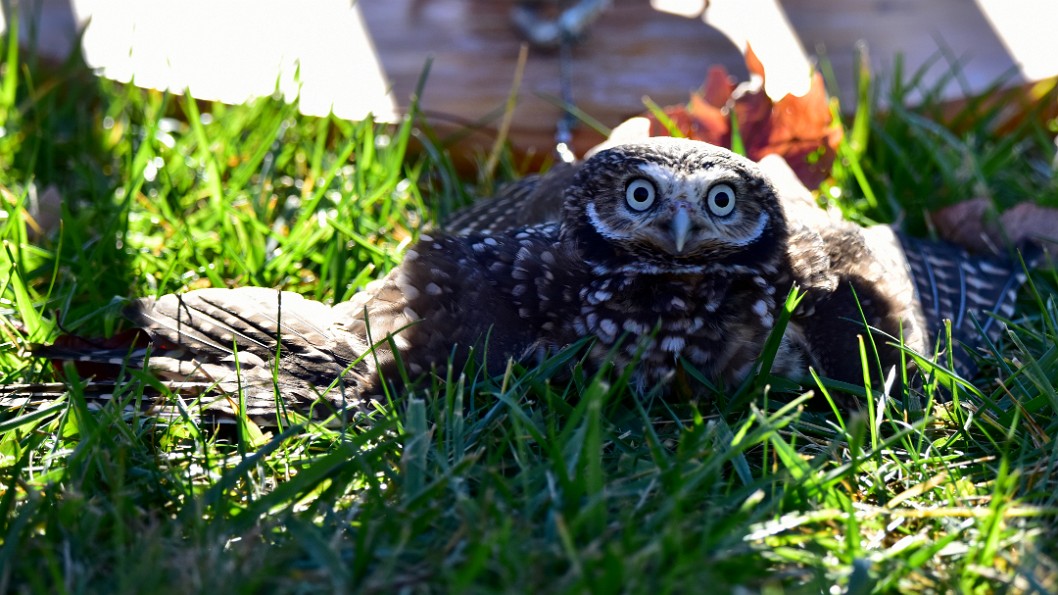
(964, 223)
(800, 129)
(975, 225)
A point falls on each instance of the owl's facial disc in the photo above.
(673, 206)
(686, 214)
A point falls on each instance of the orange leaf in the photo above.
(800, 129)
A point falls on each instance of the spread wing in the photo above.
(905, 287)
(268, 344)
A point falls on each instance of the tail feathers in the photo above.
(92, 362)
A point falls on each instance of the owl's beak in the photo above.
(680, 226)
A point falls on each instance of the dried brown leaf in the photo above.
(800, 129)
(974, 225)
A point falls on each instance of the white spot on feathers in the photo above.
(401, 342)
(697, 355)
(636, 328)
(760, 308)
(673, 344)
(608, 327)
(404, 283)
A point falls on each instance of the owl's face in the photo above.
(673, 205)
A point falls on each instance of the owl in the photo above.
(665, 253)
(873, 283)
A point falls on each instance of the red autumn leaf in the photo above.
(698, 120)
(800, 129)
(718, 87)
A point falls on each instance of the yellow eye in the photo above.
(640, 194)
(721, 200)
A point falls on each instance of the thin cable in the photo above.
(564, 127)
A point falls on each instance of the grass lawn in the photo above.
(511, 484)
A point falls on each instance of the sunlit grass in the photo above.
(531, 481)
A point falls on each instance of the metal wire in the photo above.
(564, 127)
(575, 16)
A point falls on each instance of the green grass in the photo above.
(519, 483)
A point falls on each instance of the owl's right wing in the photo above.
(265, 343)
(974, 293)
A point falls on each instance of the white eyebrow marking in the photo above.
(600, 226)
(762, 222)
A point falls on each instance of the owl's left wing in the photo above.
(975, 294)
(907, 288)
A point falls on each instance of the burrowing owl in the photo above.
(667, 253)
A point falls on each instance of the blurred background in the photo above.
(356, 58)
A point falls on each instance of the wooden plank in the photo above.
(631, 52)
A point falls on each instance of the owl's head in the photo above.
(672, 205)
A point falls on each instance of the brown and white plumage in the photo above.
(536, 198)
(662, 251)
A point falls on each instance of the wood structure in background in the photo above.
(631, 52)
(634, 51)
(348, 54)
